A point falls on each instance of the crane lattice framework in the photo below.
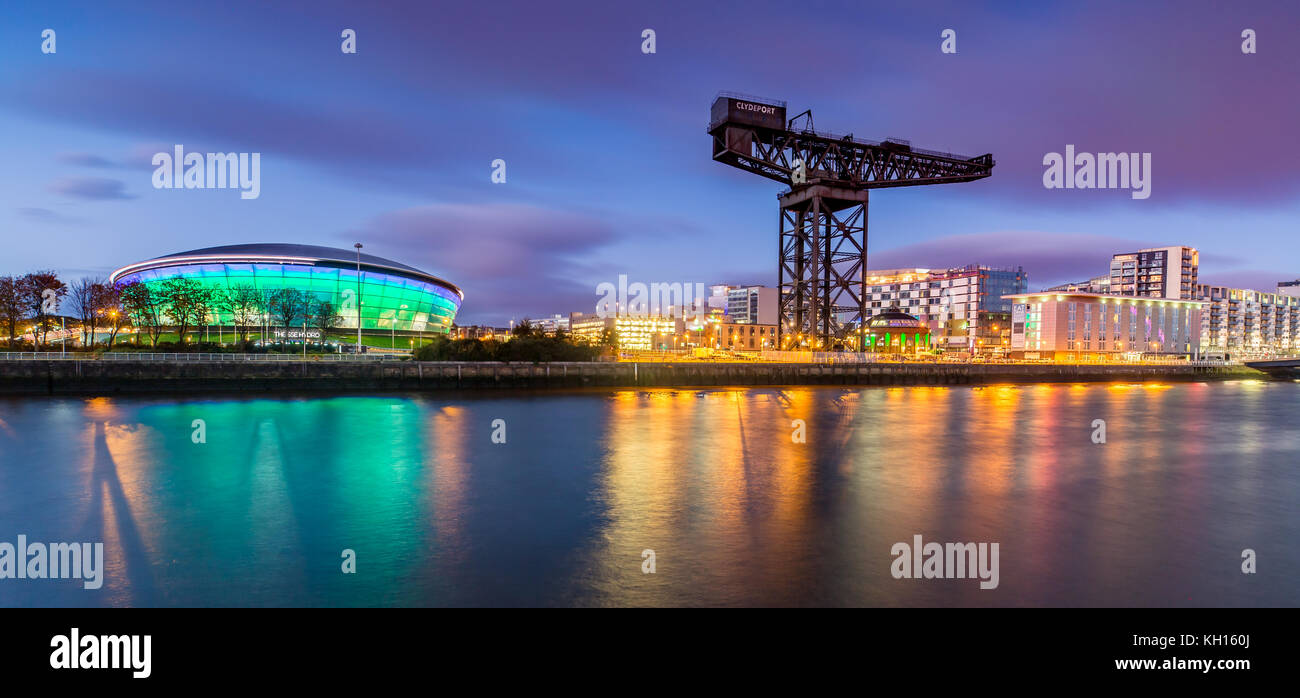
(823, 222)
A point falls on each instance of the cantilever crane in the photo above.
(823, 227)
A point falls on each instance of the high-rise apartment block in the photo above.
(1156, 272)
(1246, 324)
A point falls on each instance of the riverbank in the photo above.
(60, 377)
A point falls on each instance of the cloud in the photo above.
(96, 188)
(1254, 279)
(140, 157)
(337, 134)
(45, 215)
(1051, 258)
(85, 160)
(510, 260)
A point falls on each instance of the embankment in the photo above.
(57, 377)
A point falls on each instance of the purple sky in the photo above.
(608, 168)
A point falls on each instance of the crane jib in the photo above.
(822, 243)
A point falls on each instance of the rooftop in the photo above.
(278, 253)
(1101, 297)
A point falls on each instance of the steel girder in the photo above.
(823, 254)
(823, 219)
(842, 162)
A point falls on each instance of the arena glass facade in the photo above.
(393, 297)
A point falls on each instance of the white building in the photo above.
(1156, 272)
(1245, 324)
(1072, 327)
(752, 305)
(553, 323)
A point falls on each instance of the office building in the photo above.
(636, 332)
(748, 305)
(726, 335)
(1071, 327)
(959, 305)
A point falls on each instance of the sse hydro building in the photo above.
(392, 296)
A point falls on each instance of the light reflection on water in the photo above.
(736, 511)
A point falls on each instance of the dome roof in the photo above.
(287, 253)
(894, 319)
(280, 249)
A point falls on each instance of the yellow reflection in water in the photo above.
(448, 432)
(995, 430)
(119, 460)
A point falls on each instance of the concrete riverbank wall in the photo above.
(56, 377)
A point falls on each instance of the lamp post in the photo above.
(358, 246)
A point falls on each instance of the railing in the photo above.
(750, 98)
(823, 357)
(196, 356)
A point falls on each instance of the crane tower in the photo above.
(822, 257)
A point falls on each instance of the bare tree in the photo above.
(32, 291)
(323, 316)
(82, 301)
(146, 307)
(187, 304)
(245, 304)
(12, 308)
(287, 306)
(205, 304)
(108, 305)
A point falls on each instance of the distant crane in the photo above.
(823, 227)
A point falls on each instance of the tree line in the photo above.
(527, 343)
(177, 304)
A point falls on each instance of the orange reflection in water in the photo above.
(996, 427)
(119, 458)
(448, 433)
(712, 482)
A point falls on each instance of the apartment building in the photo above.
(1156, 272)
(1245, 324)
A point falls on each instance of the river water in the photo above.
(255, 504)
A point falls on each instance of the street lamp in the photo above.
(358, 246)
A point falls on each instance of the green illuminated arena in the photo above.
(391, 297)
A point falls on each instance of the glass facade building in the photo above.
(964, 307)
(391, 297)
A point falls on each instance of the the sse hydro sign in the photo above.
(298, 335)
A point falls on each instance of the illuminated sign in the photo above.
(297, 334)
